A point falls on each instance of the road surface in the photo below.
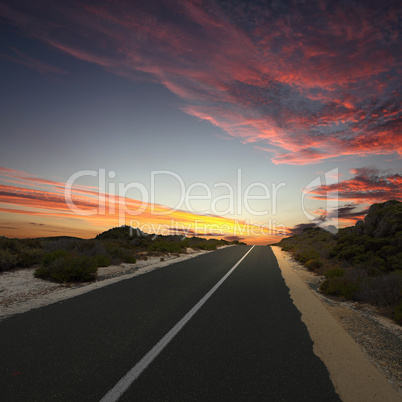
(244, 341)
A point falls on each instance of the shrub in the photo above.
(349, 252)
(378, 262)
(7, 259)
(305, 254)
(373, 271)
(362, 258)
(29, 256)
(206, 246)
(50, 257)
(395, 262)
(129, 259)
(376, 244)
(339, 287)
(63, 243)
(388, 250)
(166, 247)
(384, 290)
(398, 313)
(9, 244)
(102, 260)
(121, 254)
(68, 268)
(332, 254)
(334, 273)
(313, 264)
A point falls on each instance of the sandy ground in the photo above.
(20, 291)
(360, 369)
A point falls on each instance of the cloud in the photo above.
(368, 185)
(46, 199)
(21, 58)
(299, 228)
(234, 238)
(348, 212)
(303, 81)
(181, 232)
(39, 199)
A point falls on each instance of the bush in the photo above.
(165, 247)
(377, 262)
(63, 243)
(102, 260)
(388, 251)
(398, 313)
(129, 259)
(373, 271)
(68, 268)
(334, 273)
(350, 252)
(339, 287)
(121, 254)
(305, 254)
(28, 257)
(384, 290)
(7, 259)
(9, 244)
(395, 262)
(206, 246)
(50, 257)
(313, 264)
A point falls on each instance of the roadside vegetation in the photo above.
(70, 259)
(362, 262)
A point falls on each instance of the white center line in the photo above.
(117, 391)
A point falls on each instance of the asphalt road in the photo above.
(247, 342)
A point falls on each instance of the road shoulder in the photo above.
(352, 374)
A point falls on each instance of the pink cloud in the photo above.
(306, 82)
(368, 185)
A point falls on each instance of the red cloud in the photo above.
(306, 82)
(368, 185)
(349, 214)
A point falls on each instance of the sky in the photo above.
(243, 120)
